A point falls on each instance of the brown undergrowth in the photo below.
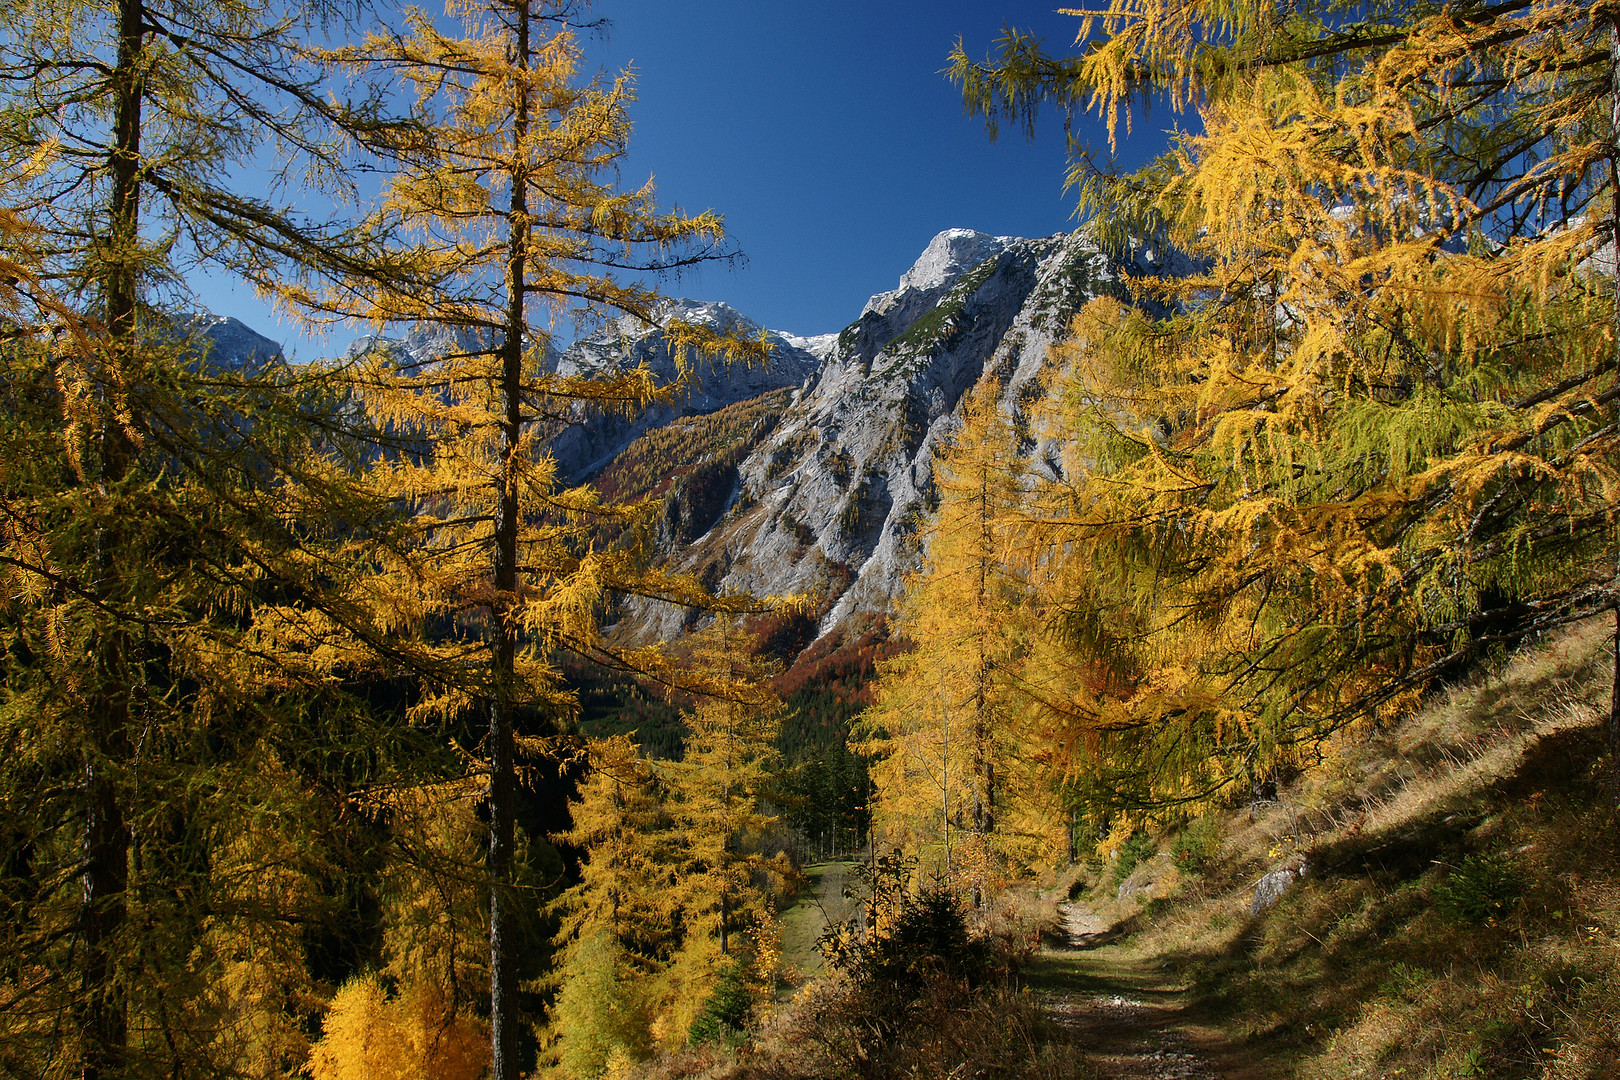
(930, 997)
(952, 1029)
(1458, 916)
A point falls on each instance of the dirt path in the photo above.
(1132, 1018)
(822, 904)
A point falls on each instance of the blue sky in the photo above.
(824, 133)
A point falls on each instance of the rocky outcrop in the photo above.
(592, 439)
(1152, 879)
(420, 346)
(1272, 887)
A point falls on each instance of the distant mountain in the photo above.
(814, 473)
(230, 344)
(592, 443)
(831, 494)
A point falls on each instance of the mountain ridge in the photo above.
(830, 502)
(826, 492)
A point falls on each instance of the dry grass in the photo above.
(994, 1032)
(1492, 800)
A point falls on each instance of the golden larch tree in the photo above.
(159, 736)
(944, 725)
(501, 222)
(1373, 437)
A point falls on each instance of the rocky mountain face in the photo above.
(814, 473)
(831, 493)
(228, 344)
(593, 441)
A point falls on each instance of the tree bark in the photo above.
(125, 163)
(1614, 270)
(104, 1023)
(1614, 709)
(502, 767)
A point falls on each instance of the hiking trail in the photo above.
(1132, 1017)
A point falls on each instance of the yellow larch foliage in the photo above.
(682, 869)
(502, 218)
(731, 875)
(947, 731)
(368, 1035)
(600, 1013)
(623, 824)
(1369, 438)
(432, 892)
(500, 221)
(621, 922)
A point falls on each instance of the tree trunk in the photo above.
(984, 768)
(1614, 270)
(103, 1023)
(1614, 709)
(945, 782)
(502, 767)
(129, 88)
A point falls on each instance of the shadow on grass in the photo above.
(1081, 974)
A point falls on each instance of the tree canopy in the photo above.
(1372, 437)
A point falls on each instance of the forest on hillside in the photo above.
(322, 749)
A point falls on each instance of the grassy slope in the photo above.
(660, 459)
(1461, 913)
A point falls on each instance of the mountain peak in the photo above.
(716, 314)
(951, 254)
(947, 257)
(228, 343)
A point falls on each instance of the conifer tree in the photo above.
(415, 1013)
(502, 220)
(622, 821)
(724, 778)
(672, 911)
(621, 922)
(154, 503)
(727, 882)
(946, 710)
(366, 1036)
(599, 1016)
(1374, 437)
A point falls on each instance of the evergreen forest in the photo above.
(1249, 703)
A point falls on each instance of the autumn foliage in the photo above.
(1366, 441)
(317, 755)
